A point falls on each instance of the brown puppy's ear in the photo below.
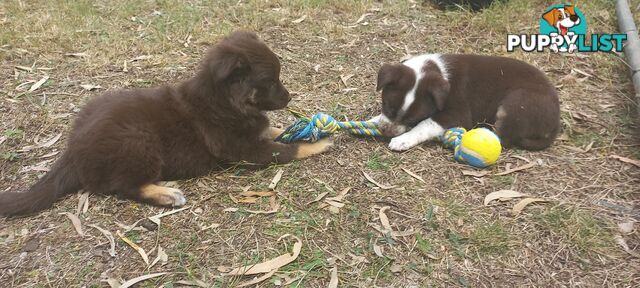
(551, 17)
(386, 76)
(439, 88)
(224, 65)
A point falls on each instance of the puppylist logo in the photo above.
(563, 28)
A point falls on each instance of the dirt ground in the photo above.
(55, 55)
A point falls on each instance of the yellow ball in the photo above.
(479, 147)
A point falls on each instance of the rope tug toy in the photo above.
(478, 147)
(321, 125)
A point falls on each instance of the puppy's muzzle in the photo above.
(390, 129)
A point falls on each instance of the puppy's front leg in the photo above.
(268, 152)
(273, 132)
(425, 130)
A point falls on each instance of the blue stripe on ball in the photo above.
(470, 157)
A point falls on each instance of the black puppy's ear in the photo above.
(439, 88)
(386, 76)
(224, 65)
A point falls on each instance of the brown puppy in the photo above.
(125, 141)
(427, 94)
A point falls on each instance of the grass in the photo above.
(379, 162)
(491, 239)
(579, 229)
(457, 242)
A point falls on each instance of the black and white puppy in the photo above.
(427, 94)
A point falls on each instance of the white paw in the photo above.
(177, 198)
(401, 143)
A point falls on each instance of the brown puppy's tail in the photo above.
(59, 181)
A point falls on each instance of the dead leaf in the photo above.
(378, 250)
(112, 242)
(83, 203)
(161, 256)
(340, 195)
(51, 141)
(626, 227)
(362, 18)
(156, 218)
(133, 281)
(75, 221)
(519, 168)
(624, 245)
(383, 187)
(393, 234)
(475, 173)
(113, 283)
(299, 20)
(626, 160)
(517, 209)
(414, 175)
(276, 179)
(395, 268)
(78, 55)
(257, 280)
(143, 57)
(318, 198)
(384, 220)
(212, 226)
(334, 203)
(333, 283)
(195, 282)
(346, 78)
(247, 200)
(257, 194)
(273, 264)
(37, 85)
(502, 195)
(24, 68)
(139, 249)
(90, 87)
(250, 211)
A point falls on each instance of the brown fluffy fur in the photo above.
(125, 141)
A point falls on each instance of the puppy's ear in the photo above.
(386, 76)
(224, 64)
(439, 88)
(570, 9)
(551, 17)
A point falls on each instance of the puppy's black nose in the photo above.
(574, 18)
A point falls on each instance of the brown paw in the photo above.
(309, 149)
(273, 132)
(163, 196)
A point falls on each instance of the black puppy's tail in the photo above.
(59, 181)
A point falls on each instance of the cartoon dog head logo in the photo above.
(563, 19)
(563, 28)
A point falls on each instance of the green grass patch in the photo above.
(491, 239)
(379, 162)
(578, 228)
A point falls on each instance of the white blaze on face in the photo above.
(416, 64)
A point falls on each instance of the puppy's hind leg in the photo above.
(162, 196)
(528, 120)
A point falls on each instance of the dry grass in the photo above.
(459, 242)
